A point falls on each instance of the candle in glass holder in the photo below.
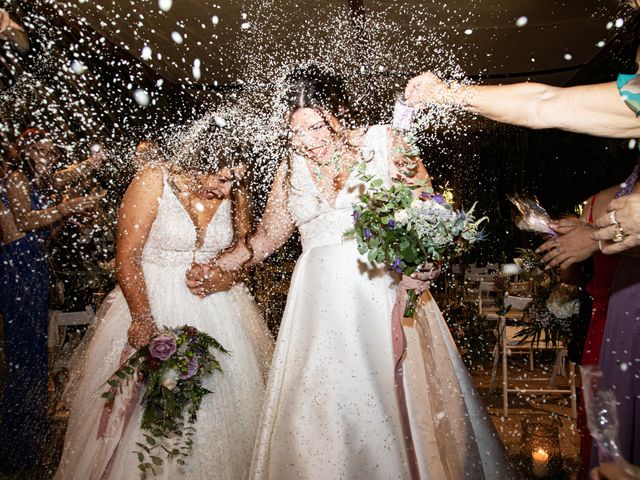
(540, 459)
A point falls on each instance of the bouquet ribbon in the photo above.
(124, 415)
(399, 343)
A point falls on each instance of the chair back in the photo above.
(517, 303)
(484, 291)
(521, 289)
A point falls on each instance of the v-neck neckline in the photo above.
(205, 228)
(320, 192)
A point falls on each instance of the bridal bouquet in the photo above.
(173, 366)
(393, 226)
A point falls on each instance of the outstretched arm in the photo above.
(27, 219)
(13, 32)
(592, 109)
(403, 165)
(137, 213)
(275, 228)
(72, 174)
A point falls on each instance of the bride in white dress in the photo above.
(166, 221)
(331, 410)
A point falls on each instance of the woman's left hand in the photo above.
(427, 272)
(572, 246)
(622, 219)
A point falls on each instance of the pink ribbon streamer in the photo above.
(399, 343)
(129, 405)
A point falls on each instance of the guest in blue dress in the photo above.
(27, 217)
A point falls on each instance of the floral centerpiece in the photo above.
(173, 366)
(552, 313)
(393, 225)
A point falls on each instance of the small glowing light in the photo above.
(619, 23)
(199, 207)
(176, 37)
(245, 26)
(215, 19)
(221, 122)
(600, 44)
(568, 56)
(609, 25)
(632, 143)
(468, 31)
(522, 21)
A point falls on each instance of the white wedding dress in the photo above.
(228, 418)
(331, 410)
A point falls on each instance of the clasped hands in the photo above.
(573, 245)
(206, 278)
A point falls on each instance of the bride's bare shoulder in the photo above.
(147, 184)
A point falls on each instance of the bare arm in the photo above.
(137, 213)
(13, 32)
(27, 219)
(592, 109)
(402, 165)
(72, 174)
(275, 228)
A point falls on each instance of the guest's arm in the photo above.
(72, 174)
(27, 219)
(592, 109)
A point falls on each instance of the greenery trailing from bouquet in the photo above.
(555, 307)
(394, 225)
(173, 366)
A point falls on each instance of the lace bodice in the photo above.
(172, 239)
(319, 222)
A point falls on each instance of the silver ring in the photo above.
(612, 217)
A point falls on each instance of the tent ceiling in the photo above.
(558, 38)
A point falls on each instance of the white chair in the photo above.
(521, 289)
(510, 343)
(62, 319)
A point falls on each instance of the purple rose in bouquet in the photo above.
(162, 347)
(192, 369)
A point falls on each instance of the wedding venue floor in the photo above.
(509, 428)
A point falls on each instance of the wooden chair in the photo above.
(509, 343)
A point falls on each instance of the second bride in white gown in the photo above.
(167, 221)
(331, 410)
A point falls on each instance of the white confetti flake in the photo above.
(146, 53)
(195, 70)
(600, 44)
(215, 20)
(522, 21)
(245, 26)
(221, 122)
(165, 5)
(177, 38)
(468, 31)
(141, 97)
(78, 67)
(568, 56)
(619, 23)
